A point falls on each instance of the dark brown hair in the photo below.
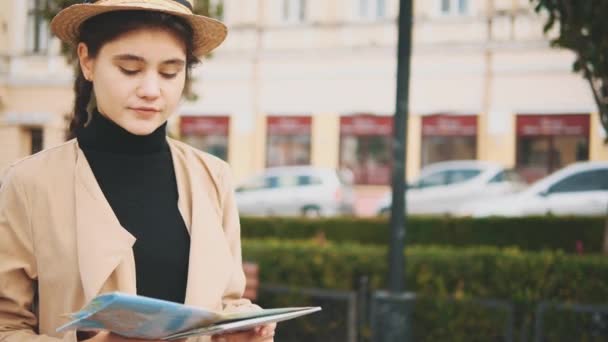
(103, 28)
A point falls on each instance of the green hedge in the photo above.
(442, 275)
(485, 272)
(529, 233)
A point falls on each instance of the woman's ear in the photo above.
(86, 62)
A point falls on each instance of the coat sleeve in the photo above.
(232, 299)
(18, 320)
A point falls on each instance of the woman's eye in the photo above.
(168, 75)
(129, 71)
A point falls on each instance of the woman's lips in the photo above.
(145, 111)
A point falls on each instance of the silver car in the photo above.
(578, 189)
(296, 191)
(444, 187)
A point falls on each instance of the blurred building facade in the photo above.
(313, 82)
(35, 83)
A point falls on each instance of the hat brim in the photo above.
(208, 33)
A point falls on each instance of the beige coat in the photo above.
(61, 244)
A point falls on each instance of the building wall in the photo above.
(33, 106)
(338, 65)
(5, 16)
(35, 89)
(414, 139)
(12, 146)
(325, 141)
(334, 64)
(598, 149)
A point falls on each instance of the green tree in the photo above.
(583, 30)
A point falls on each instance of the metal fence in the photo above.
(570, 322)
(408, 317)
(336, 322)
(362, 316)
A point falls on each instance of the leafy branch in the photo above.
(583, 30)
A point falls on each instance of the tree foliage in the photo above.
(583, 29)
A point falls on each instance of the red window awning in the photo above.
(449, 125)
(553, 125)
(205, 125)
(289, 125)
(366, 125)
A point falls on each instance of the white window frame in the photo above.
(370, 10)
(454, 8)
(37, 32)
(294, 11)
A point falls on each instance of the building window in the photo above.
(207, 133)
(37, 30)
(371, 9)
(36, 139)
(288, 140)
(294, 11)
(365, 148)
(454, 7)
(448, 137)
(546, 143)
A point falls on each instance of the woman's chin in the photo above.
(142, 127)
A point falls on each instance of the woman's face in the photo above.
(138, 78)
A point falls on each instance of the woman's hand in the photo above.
(263, 333)
(105, 336)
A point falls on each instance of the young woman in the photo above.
(121, 207)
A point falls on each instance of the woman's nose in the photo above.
(149, 87)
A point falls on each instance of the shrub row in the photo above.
(448, 282)
(485, 272)
(529, 233)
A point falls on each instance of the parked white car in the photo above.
(296, 191)
(579, 189)
(443, 187)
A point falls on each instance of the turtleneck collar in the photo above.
(102, 134)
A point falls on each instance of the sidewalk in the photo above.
(367, 198)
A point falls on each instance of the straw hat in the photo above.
(208, 32)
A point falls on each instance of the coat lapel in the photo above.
(207, 274)
(184, 187)
(103, 244)
(106, 248)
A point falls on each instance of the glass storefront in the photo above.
(546, 143)
(288, 140)
(365, 148)
(207, 133)
(448, 137)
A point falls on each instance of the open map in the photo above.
(148, 318)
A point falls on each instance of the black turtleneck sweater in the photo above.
(137, 177)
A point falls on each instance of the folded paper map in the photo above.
(148, 318)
